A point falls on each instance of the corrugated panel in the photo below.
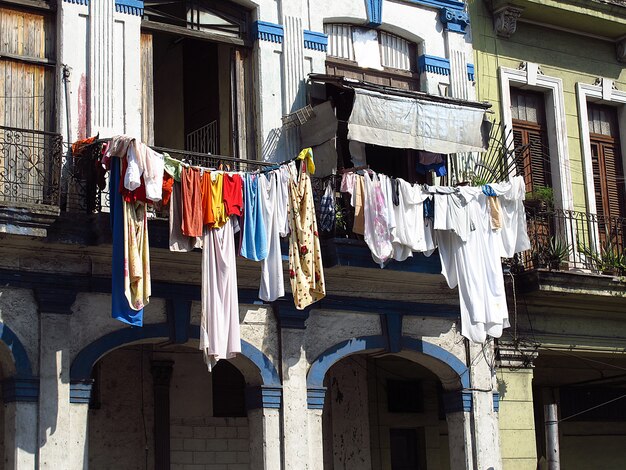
(339, 40)
(395, 51)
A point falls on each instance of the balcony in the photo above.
(30, 180)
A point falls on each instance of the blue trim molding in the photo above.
(374, 11)
(80, 391)
(315, 398)
(20, 357)
(265, 31)
(496, 402)
(319, 367)
(433, 64)
(452, 4)
(80, 370)
(457, 401)
(470, 72)
(130, 7)
(264, 397)
(315, 41)
(20, 389)
(454, 20)
(77, 2)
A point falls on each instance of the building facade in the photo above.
(376, 375)
(555, 71)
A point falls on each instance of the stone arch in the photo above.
(451, 371)
(19, 356)
(90, 354)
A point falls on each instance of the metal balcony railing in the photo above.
(575, 240)
(30, 166)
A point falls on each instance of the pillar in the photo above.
(161, 377)
(80, 396)
(517, 418)
(20, 423)
(263, 405)
(61, 447)
(458, 407)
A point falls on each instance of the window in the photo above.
(382, 58)
(530, 134)
(608, 172)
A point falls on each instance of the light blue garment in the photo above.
(120, 309)
(254, 240)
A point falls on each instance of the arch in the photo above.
(21, 361)
(89, 355)
(456, 373)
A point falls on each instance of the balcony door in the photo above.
(608, 172)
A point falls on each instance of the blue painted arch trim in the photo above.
(22, 363)
(315, 377)
(89, 355)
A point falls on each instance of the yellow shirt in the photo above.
(217, 200)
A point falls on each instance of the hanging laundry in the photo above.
(137, 284)
(475, 267)
(254, 240)
(172, 166)
(377, 234)
(306, 155)
(207, 192)
(220, 336)
(166, 190)
(513, 236)
(191, 193)
(283, 199)
(120, 307)
(451, 209)
(359, 204)
(233, 194)
(178, 241)
(305, 260)
(327, 209)
(409, 235)
(217, 200)
(272, 280)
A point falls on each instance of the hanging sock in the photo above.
(120, 308)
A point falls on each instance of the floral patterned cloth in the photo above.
(305, 258)
(137, 284)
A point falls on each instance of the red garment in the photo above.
(207, 209)
(232, 192)
(168, 185)
(138, 194)
(191, 192)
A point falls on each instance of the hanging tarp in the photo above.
(405, 122)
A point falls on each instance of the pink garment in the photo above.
(377, 230)
(219, 325)
(347, 183)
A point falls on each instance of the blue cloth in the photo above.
(254, 240)
(429, 208)
(488, 191)
(438, 168)
(120, 309)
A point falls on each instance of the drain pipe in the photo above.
(551, 423)
(67, 165)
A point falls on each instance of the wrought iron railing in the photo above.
(30, 166)
(565, 240)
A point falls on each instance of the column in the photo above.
(295, 410)
(61, 447)
(263, 405)
(458, 406)
(54, 396)
(78, 452)
(161, 377)
(517, 419)
(20, 422)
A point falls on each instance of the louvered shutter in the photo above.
(614, 182)
(534, 163)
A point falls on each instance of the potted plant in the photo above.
(608, 261)
(540, 199)
(557, 254)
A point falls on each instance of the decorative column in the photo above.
(263, 405)
(161, 377)
(517, 418)
(20, 396)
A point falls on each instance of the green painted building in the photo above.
(555, 72)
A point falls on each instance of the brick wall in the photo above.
(209, 444)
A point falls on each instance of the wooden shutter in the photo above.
(147, 89)
(534, 162)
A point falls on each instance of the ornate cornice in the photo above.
(505, 20)
(454, 20)
(265, 31)
(433, 64)
(315, 41)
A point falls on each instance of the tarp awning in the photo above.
(406, 122)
